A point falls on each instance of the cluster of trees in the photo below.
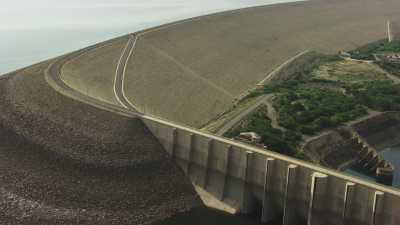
(366, 52)
(377, 95)
(304, 107)
(308, 110)
(284, 142)
(393, 68)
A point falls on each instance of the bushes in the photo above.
(309, 110)
(306, 105)
(275, 139)
(366, 52)
(377, 95)
(393, 68)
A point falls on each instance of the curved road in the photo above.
(121, 72)
(53, 78)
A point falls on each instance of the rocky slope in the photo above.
(65, 162)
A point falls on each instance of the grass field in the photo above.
(349, 71)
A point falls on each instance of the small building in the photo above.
(345, 54)
(392, 58)
(388, 57)
(250, 137)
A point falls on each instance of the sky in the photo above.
(34, 30)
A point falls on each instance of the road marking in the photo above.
(116, 73)
(124, 72)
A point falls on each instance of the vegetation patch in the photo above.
(367, 52)
(348, 71)
(380, 48)
(277, 140)
(327, 93)
(309, 110)
(377, 95)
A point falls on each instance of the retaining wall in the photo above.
(381, 131)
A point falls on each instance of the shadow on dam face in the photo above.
(208, 216)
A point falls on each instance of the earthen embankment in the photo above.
(66, 162)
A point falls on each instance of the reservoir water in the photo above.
(206, 216)
(32, 31)
(393, 156)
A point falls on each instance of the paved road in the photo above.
(243, 114)
(121, 72)
(262, 100)
(276, 70)
(53, 77)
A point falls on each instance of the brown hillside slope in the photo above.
(192, 71)
(65, 162)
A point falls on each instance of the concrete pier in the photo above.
(268, 211)
(348, 196)
(318, 199)
(289, 211)
(246, 177)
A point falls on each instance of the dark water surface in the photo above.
(393, 156)
(32, 31)
(207, 216)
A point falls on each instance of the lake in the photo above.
(32, 31)
(207, 216)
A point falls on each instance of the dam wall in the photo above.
(381, 131)
(331, 149)
(343, 148)
(252, 179)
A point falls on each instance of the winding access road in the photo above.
(121, 72)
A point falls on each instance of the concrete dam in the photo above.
(246, 177)
(110, 134)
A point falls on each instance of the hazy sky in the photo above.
(39, 14)
(33, 30)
